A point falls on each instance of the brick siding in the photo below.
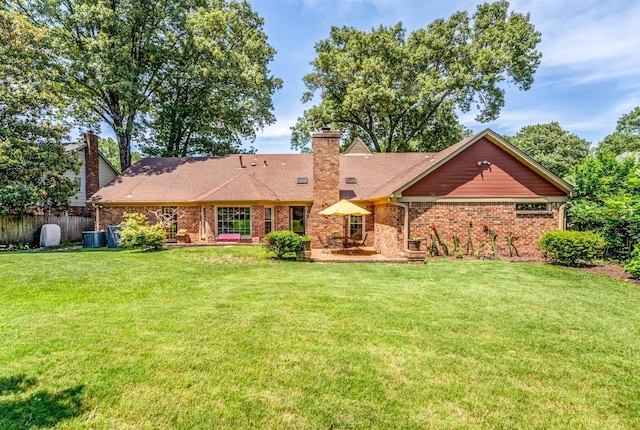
(326, 186)
(92, 169)
(189, 217)
(455, 218)
(388, 230)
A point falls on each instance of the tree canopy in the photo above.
(223, 92)
(32, 160)
(127, 59)
(402, 93)
(606, 200)
(626, 137)
(550, 145)
(109, 148)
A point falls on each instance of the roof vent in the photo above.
(351, 180)
(302, 181)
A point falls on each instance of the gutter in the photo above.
(405, 239)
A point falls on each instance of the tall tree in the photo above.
(550, 145)
(109, 148)
(32, 160)
(606, 200)
(402, 93)
(116, 55)
(224, 90)
(626, 137)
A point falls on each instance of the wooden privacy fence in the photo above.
(26, 228)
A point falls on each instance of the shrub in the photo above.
(282, 242)
(136, 233)
(633, 266)
(572, 248)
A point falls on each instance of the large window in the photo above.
(234, 220)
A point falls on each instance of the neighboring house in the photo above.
(481, 183)
(95, 172)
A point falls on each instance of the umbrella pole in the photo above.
(346, 232)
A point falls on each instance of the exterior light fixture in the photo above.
(484, 163)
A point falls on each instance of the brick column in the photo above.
(326, 185)
(91, 166)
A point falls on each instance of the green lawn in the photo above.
(226, 338)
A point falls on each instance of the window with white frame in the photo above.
(356, 226)
(232, 219)
(268, 220)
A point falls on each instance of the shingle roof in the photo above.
(270, 177)
(264, 177)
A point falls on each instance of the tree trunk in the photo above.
(124, 144)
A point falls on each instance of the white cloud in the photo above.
(592, 40)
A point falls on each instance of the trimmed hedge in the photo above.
(633, 266)
(572, 248)
(136, 233)
(282, 242)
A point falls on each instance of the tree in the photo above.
(606, 201)
(32, 160)
(116, 56)
(222, 94)
(550, 145)
(626, 137)
(109, 148)
(402, 93)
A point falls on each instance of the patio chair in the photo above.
(328, 244)
(363, 241)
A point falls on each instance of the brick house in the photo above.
(95, 172)
(479, 184)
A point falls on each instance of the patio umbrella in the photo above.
(344, 208)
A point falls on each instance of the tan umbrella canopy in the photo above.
(344, 207)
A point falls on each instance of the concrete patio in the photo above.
(363, 254)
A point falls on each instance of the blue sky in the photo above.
(589, 75)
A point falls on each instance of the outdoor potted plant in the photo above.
(414, 243)
(306, 242)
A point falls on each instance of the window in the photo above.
(234, 220)
(268, 220)
(356, 227)
(302, 181)
(203, 222)
(532, 207)
(351, 180)
(296, 218)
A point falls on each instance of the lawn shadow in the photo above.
(15, 384)
(38, 410)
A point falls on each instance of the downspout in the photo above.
(562, 217)
(405, 238)
(97, 207)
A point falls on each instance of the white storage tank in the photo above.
(50, 235)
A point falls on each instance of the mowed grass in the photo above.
(227, 338)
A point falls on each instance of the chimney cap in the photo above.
(326, 129)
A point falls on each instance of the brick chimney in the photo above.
(326, 184)
(91, 166)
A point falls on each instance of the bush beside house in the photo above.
(282, 242)
(633, 266)
(138, 234)
(572, 248)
